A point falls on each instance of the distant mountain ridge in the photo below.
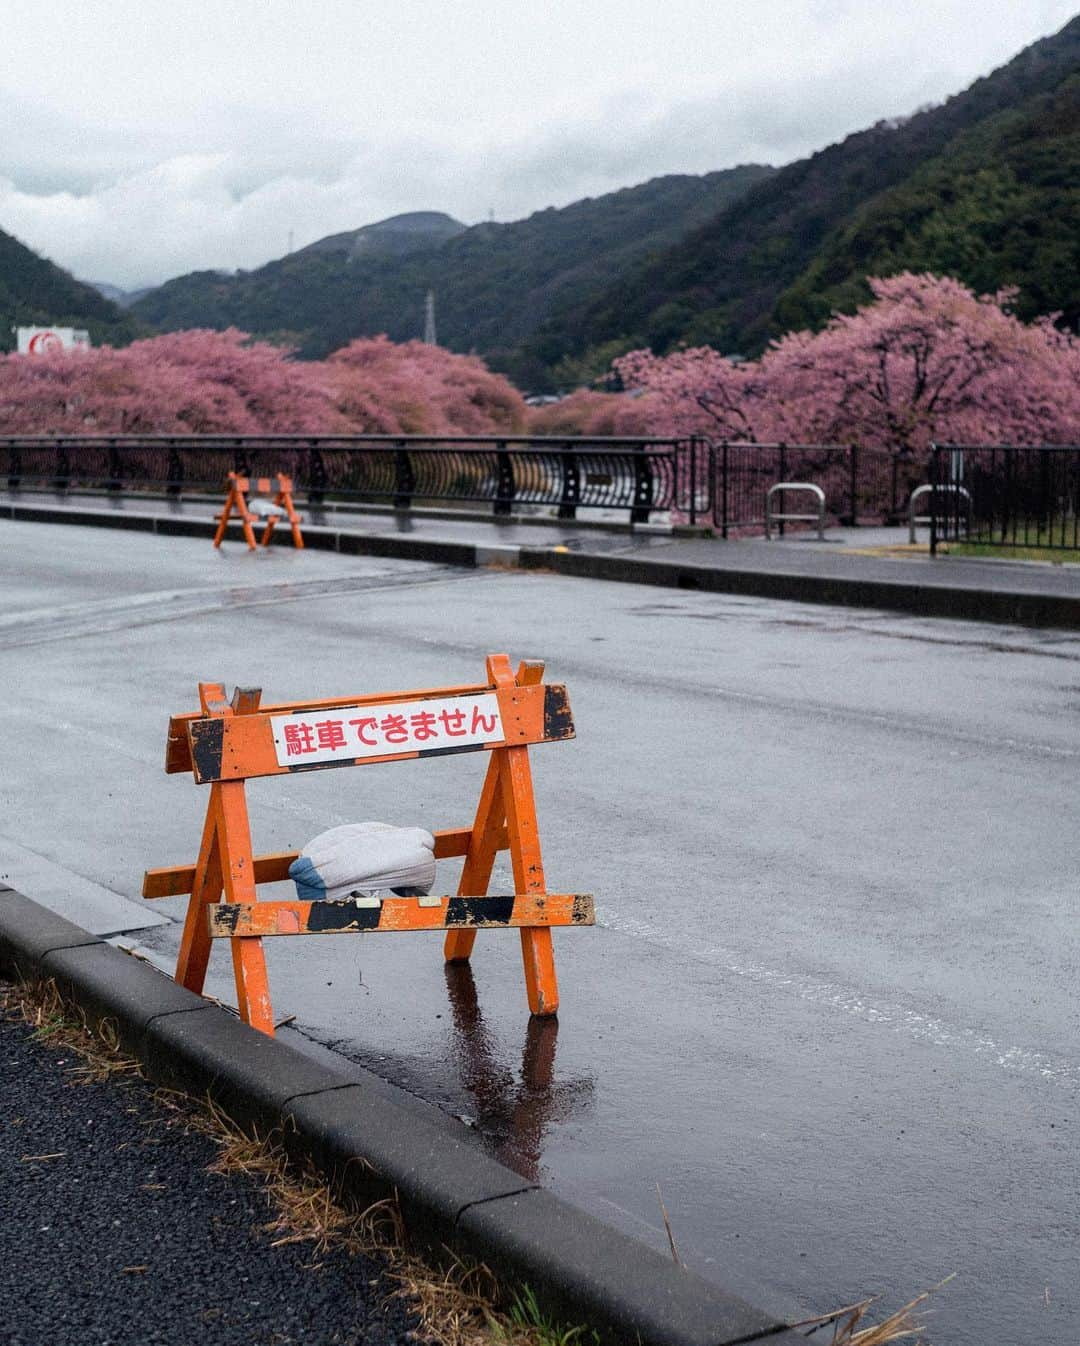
(36, 292)
(397, 236)
(116, 294)
(494, 283)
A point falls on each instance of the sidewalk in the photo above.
(853, 567)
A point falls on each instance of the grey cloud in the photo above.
(758, 124)
(46, 149)
(223, 185)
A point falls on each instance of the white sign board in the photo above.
(45, 340)
(446, 724)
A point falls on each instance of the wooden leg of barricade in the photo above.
(536, 949)
(520, 805)
(207, 885)
(223, 519)
(226, 864)
(235, 500)
(490, 816)
(238, 874)
(195, 942)
(507, 797)
(480, 857)
(285, 500)
(245, 518)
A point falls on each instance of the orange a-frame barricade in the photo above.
(236, 499)
(227, 743)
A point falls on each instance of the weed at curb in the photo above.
(526, 1314)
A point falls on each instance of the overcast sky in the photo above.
(144, 138)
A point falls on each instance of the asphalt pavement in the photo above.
(829, 1006)
(114, 1233)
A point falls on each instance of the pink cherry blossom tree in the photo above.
(202, 382)
(414, 388)
(586, 412)
(927, 360)
(194, 382)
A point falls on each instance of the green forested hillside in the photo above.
(1000, 207)
(494, 283)
(34, 291)
(982, 187)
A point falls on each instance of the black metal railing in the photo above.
(859, 484)
(635, 475)
(1005, 495)
(721, 485)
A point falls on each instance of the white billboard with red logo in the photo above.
(46, 340)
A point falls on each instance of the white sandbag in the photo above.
(364, 858)
(265, 509)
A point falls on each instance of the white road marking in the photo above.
(921, 1027)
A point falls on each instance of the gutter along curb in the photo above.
(1012, 607)
(958, 602)
(370, 1147)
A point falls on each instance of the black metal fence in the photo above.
(1005, 495)
(638, 476)
(860, 485)
(722, 485)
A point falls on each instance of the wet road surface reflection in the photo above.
(513, 1110)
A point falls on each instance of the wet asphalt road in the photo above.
(829, 1005)
(113, 1233)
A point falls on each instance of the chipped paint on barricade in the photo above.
(352, 915)
(206, 749)
(558, 722)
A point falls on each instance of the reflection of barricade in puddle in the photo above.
(271, 510)
(513, 1112)
(225, 744)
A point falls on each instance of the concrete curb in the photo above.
(453, 1197)
(1010, 607)
(923, 600)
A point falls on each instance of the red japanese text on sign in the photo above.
(381, 731)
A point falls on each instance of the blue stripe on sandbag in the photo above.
(310, 885)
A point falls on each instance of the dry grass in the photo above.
(52, 1020)
(903, 1325)
(455, 1306)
